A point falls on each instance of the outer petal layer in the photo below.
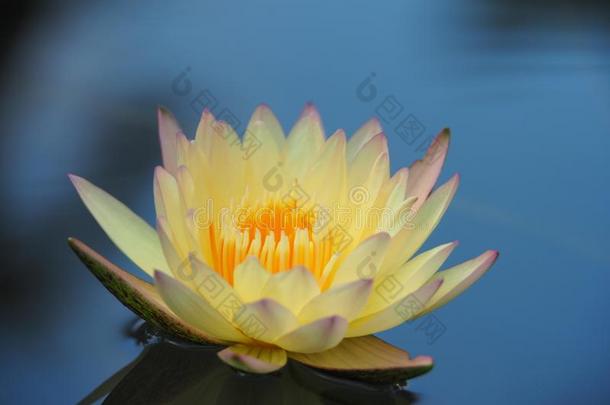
(369, 359)
(129, 232)
(254, 359)
(402, 311)
(137, 295)
(459, 278)
(194, 310)
(316, 336)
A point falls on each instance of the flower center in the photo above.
(281, 236)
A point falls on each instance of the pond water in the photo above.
(525, 87)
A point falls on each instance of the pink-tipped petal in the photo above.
(314, 337)
(168, 128)
(254, 359)
(364, 134)
(424, 173)
(458, 278)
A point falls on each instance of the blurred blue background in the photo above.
(524, 86)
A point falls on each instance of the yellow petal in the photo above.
(249, 279)
(266, 319)
(130, 233)
(254, 359)
(363, 162)
(214, 289)
(326, 180)
(408, 240)
(393, 286)
(364, 260)
(205, 132)
(364, 134)
(423, 173)
(317, 336)
(346, 300)
(395, 314)
(263, 146)
(194, 310)
(168, 129)
(169, 204)
(292, 288)
(368, 359)
(459, 278)
(304, 142)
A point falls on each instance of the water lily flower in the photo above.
(278, 247)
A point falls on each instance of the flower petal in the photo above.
(346, 300)
(424, 173)
(194, 310)
(317, 336)
(292, 288)
(361, 166)
(169, 204)
(266, 319)
(249, 279)
(459, 278)
(367, 359)
(363, 261)
(254, 359)
(168, 128)
(130, 233)
(326, 180)
(394, 285)
(137, 295)
(304, 142)
(364, 134)
(408, 240)
(405, 309)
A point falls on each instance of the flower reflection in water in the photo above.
(167, 371)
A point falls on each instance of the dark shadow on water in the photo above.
(167, 372)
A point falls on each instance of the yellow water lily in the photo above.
(277, 247)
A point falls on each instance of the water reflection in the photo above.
(166, 372)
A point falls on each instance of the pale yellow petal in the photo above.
(168, 128)
(459, 278)
(360, 168)
(399, 312)
(364, 261)
(346, 300)
(326, 180)
(423, 173)
(169, 204)
(314, 337)
(254, 359)
(263, 147)
(292, 288)
(194, 310)
(249, 279)
(364, 134)
(266, 320)
(130, 233)
(392, 285)
(303, 144)
(408, 240)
